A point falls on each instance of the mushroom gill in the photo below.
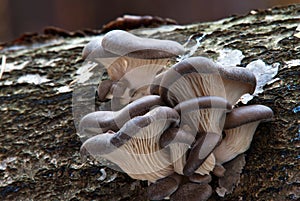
(143, 55)
(239, 128)
(138, 143)
(101, 121)
(199, 76)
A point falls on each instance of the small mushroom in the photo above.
(135, 147)
(231, 177)
(199, 76)
(192, 192)
(240, 126)
(101, 121)
(205, 116)
(164, 187)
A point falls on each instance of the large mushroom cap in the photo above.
(192, 192)
(124, 43)
(247, 114)
(101, 121)
(240, 126)
(199, 76)
(95, 50)
(204, 114)
(135, 147)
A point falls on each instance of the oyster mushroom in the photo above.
(240, 126)
(192, 192)
(199, 76)
(135, 147)
(205, 117)
(164, 187)
(139, 60)
(101, 121)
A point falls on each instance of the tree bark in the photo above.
(39, 153)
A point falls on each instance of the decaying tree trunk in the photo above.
(39, 153)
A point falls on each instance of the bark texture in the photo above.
(39, 153)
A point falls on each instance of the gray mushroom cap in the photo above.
(199, 76)
(94, 50)
(192, 192)
(135, 147)
(204, 114)
(101, 121)
(240, 126)
(164, 187)
(124, 43)
(247, 114)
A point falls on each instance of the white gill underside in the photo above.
(207, 166)
(141, 157)
(195, 85)
(118, 67)
(205, 120)
(236, 141)
(138, 81)
(179, 157)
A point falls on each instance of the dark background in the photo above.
(19, 16)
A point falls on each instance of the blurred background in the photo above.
(20, 16)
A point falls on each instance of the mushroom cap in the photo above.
(124, 43)
(199, 76)
(135, 147)
(102, 121)
(164, 187)
(104, 88)
(231, 176)
(94, 50)
(192, 192)
(204, 114)
(165, 115)
(240, 126)
(200, 179)
(175, 135)
(203, 102)
(247, 114)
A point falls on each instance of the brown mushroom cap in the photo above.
(102, 121)
(124, 43)
(204, 114)
(199, 76)
(135, 147)
(240, 126)
(247, 114)
(200, 179)
(231, 176)
(164, 187)
(192, 192)
(94, 50)
(104, 88)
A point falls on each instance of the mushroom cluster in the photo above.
(173, 126)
